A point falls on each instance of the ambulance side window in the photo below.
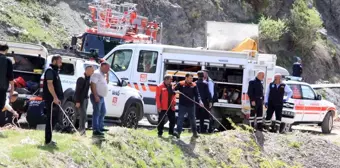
(147, 61)
(120, 60)
(307, 92)
(296, 91)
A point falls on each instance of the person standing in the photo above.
(211, 86)
(203, 116)
(274, 100)
(99, 81)
(166, 102)
(255, 93)
(52, 94)
(81, 97)
(188, 94)
(297, 67)
(6, 75)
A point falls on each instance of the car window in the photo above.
(307, 92)
(67, 69)
(147, 61)
(296, 91)
(113, 78)
(120, 60)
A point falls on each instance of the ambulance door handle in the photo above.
(151, 81)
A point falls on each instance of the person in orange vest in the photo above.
(166, 101)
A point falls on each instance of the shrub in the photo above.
(272, 29)
(305, 22)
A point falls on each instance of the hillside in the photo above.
(141, 148)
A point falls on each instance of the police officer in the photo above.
(274, 100)
(255, 93)
(202, 120)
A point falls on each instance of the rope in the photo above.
(78, 133)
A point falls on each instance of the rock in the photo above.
(16, 31)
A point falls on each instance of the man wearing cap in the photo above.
(6, 75)
(202, 120)
(99, 81)
(274, 100)
(297, 68)
(255, 93)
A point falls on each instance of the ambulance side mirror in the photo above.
(124, 83)
(318, 97)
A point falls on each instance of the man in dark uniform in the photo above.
(297, 68)
(203, 121)
(52, 93)
(255, 93)
(274, 100)
(188, 93)
(6, 75)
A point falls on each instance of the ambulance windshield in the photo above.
(103, 43)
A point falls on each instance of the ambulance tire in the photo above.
(327, 123)
(153, 119)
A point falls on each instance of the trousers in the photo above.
(278, 114)
(55, 119)
(256, 114)
(172, 119)
(191, 114)
(82, 115)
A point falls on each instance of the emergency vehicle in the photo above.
(116, 23)
(123, 103)
(308, 108)
(144, 66)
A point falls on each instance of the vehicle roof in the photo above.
(295, 82)
(26, 48)
(76, 58)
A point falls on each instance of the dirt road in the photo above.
(315, 130)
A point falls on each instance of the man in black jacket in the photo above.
(81, 97)
(6, 75)
(187, 96)
(255, 93)
(203, 121)
(52, 93)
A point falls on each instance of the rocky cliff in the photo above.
(183, 21)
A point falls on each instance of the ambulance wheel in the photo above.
(327, 123)
(153, 119)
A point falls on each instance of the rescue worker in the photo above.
(274, 100)
(82, 96)
(203, 116)
(297, 68)
(52, 93)
(166, 102)
(6, 75)
(186, 104)
(255, 93)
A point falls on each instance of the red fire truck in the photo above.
(116, 24)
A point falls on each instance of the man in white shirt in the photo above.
(99, 81)
(209, 81)
(274, 100)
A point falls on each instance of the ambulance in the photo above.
(144, 66)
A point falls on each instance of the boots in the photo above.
(276, 128)
(260, 127)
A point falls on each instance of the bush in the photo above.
(305, 22)
(272, 29)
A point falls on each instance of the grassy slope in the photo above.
(38, 20)
(133, 148)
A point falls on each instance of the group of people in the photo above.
(195, 99)
(97, 80)
(273, 101)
